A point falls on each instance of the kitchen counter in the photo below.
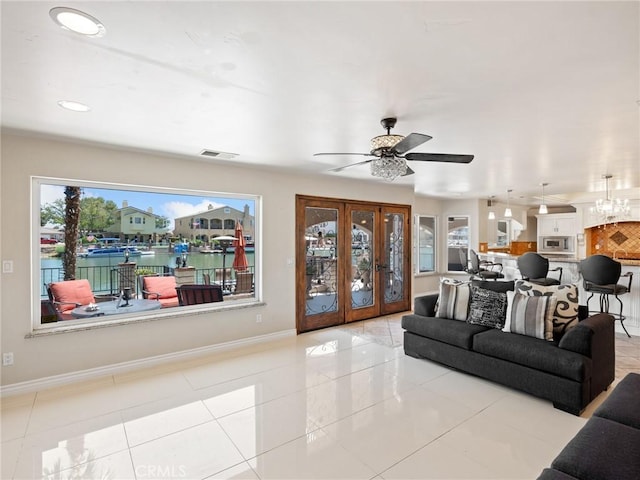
(571, 274)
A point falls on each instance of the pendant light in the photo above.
(507, 211)
(492, 214)
(543, 206)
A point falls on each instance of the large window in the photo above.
(116, 259)
(426, 243)
(457, 240)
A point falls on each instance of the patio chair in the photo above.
(244, 282)
(69, 294)
(199, 294)
(162, 289)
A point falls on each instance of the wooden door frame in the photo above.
(343, 244)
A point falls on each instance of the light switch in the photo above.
(7, 266)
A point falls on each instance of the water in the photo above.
(198, 260)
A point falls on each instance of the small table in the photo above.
(112, 308)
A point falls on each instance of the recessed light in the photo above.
(74, 106)
(77, 21)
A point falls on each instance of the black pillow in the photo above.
(487, 307)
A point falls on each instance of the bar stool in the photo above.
(601, 274)
(534, 268)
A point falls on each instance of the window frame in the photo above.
(35, 271)
(468, 239)
(417, 265)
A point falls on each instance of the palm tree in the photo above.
(71, 225)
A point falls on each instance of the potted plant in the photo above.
(364, 266)
(309, 272)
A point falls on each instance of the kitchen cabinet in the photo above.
(557, 224)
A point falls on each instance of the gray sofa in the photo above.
(570, 371)
(607, 446)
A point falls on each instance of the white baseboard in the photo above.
(44, 383)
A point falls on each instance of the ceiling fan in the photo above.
(390, 155)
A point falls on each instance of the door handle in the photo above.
(380, 267)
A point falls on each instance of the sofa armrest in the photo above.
(425, 305)
(594, 337)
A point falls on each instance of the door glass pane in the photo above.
(321, 265)
(457, 239)
(361, 279)
(393, 265)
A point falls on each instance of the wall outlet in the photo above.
(7, 359)
(259, 318)
(7, 266)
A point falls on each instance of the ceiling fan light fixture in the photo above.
(383, 142)
(388, 168)
(77, 21)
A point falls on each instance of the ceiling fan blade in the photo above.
(323, 153)
(410, 142)
(439, 157)
(408, 172)
(339, 169)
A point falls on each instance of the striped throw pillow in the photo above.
(529, 315)
(453, 301)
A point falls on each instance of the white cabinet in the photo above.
(557, 224)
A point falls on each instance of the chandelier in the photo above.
(388, 167)
(611, 210)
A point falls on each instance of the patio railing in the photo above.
(107, 280)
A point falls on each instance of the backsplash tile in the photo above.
(622, 239)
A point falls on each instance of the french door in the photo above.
(352, 261)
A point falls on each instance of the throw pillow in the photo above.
(487, 307)
(530, 315)
(565, 315)
(453, 301)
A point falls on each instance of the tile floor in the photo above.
(338, 403)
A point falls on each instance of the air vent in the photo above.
(219, 155)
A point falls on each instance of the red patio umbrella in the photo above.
(240, 263)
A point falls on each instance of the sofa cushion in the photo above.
(622, 404)
(534, 353)
(565, 315)
(452, 332)
(453, 301)
(487, 307)
(602, 450)
(529, 315)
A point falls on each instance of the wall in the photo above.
(24, 156)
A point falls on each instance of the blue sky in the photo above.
(166, 204)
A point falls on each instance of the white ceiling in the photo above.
(537, 91)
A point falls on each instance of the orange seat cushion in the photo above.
(72, 292)
(165, 287)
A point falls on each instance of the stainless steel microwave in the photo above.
(556, 244)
